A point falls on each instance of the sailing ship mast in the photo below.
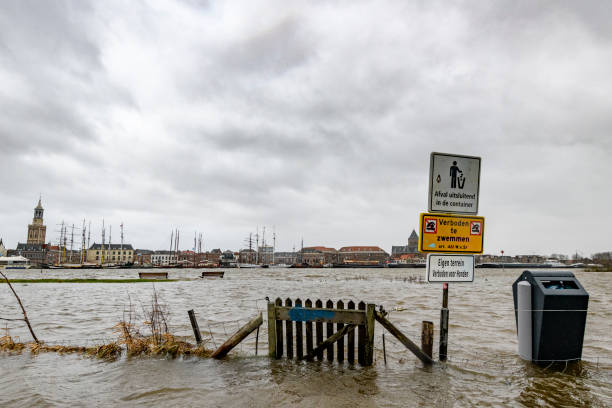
(71, 242)
(110, 238)
(257, 245)
(65, 240)
(83, 243)
(103, 242)
(263, 245)
(88, 238)
(59, 245)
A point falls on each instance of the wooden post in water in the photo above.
(308, 305)
(289, 331)
(319, 332)
(444, 323)
(257, 340)
(240, 335)
(427, 334)
(194, 326)
(279, 331)
(340, 343)
(271, 330)
(299, 347)
(403, 339)
(330, 332)
(369, 326)
(350, 352)
(361, 338)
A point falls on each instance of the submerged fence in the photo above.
(355, 322)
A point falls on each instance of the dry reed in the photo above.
(158, 342)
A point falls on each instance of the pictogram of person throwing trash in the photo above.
(457, 178)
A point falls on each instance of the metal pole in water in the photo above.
(444, 324)
(524, 320)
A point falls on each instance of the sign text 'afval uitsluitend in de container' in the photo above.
(454, 183)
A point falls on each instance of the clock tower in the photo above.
(37, 231)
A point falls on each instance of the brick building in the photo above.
(318, 255)
(368, 254)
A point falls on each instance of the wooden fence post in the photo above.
(405, 340)
(194, 326)
(340, 343)
(427, 334)
(299, 347)
(319, 331)
(289, 331)
(279, 332)
(350, 352)
(237, 337)
(330, 332)
(271, 330)
(361, 334)
(309, 347)
(369, 326)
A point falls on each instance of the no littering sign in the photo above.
(454, 183)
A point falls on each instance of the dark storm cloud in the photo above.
(316, 117)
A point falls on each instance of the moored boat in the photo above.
(14, 262)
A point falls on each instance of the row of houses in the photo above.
(316, 255)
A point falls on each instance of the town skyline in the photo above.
(186, 243)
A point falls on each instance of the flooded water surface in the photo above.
(483, 369)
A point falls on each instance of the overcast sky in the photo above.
(315, 117)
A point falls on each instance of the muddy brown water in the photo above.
(484, 368)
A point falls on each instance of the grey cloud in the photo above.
(319, 119)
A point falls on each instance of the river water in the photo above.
(483, 368)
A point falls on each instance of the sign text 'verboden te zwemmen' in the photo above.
(449, 233)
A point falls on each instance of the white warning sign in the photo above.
(454, 183)
(450, 268)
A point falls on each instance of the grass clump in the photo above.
(156, 340)
(7, 344)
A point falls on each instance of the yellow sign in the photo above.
(451, 233)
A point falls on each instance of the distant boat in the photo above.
(359, 264)
(549, 263)
(247, 265)
(14, 262)
(279, 266)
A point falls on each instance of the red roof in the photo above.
(322, 249)
(361, 249)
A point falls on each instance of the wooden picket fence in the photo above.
(302, 319)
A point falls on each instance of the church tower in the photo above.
(37, 231)
(413, 243)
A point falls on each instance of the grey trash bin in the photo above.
(559, 306)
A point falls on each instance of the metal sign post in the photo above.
(449, 239)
